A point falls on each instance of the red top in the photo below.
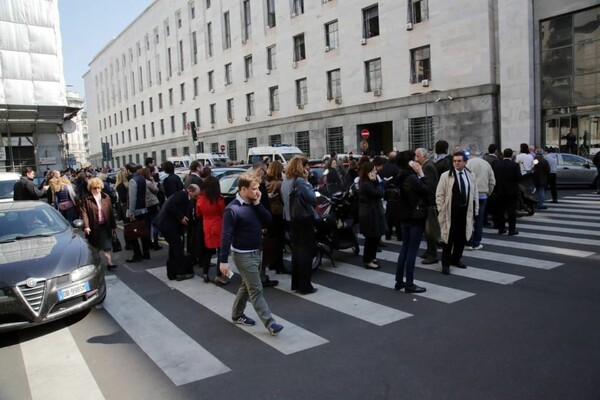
(212, 220)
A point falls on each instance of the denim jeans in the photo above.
(541, 195)
(411, 239)
(478, 224)
(248, 265)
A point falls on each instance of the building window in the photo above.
(209, 40)
(249, 104)
(200, 147)
(137, 158)
(271, 21)
(334, 84)
(180, 55)
(335, 140)
(197, 115)
(248, 67)
(274, 98)
(194, 48)
(230, 111)
(211, 86)
(303, 142)
(299, 50)
(371, 21)
(163, 156)
(121, 112)
(207, 4)
(271, 57)
(183, 121)
(418, 11)
(152, 130)
(150, 105)
(169, 67)
(226, 31)
(178, 19)
(301, 92)
(297, 7)
(420, 64)
(247, 20)
(186, 150)
(182, 92)
(251, 142)
(144, 131)
(141, 108)
(137, 137)
(160, 102)
(421, 133)
(214, 147)
(127, 112)
(170, 96)
(331, 35)
(274, 140)
(162, 126)
(232, 150)
(173, 152)
(134, 111)
(149, 72)
(195, 86)
(192, 11)
(156, 36)
(172, 123)
(128, 135)
(213, 113)
(228, 78)
(373, 75)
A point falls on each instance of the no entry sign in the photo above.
(364, 133)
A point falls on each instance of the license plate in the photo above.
(73, 291)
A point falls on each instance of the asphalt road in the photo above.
(522, 322)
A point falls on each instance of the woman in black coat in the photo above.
(370, 212)
(415, 192)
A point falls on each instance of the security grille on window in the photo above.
(163, 156)
(303, 142)
(232, 150)
(371, 22)
(251, 142)
(137, 158)
(186, 151)
(331, 35)
(420, 64)
(214, 147)
(421, 133)
(334, 84)
(271, 57)
(226, 31)
(249, 104)
(200, 147)
(299, 49)
(373, 75)
(335, 140)
(274, 140)
(301, 92)
(274, 98)
(271, 21)
(173, 152)
(418, 11)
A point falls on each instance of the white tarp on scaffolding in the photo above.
(31, 66)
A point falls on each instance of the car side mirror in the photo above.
(78, 223)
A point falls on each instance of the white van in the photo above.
(282, 153)
(7, 183)
(206, 159)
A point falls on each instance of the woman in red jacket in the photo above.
(210, 206)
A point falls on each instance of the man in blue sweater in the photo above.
(243, 221)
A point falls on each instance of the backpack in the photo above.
(393, 194)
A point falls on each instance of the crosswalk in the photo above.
(546, 242)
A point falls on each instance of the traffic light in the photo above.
(193, 129)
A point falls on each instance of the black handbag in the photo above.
(116, 244)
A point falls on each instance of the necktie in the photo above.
(463, 190)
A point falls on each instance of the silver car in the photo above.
(574, 170)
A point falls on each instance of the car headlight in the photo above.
(82, 272)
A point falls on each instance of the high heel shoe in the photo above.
(205, 277)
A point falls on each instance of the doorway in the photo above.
(380, 140)
(583, 126)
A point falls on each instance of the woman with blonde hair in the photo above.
(304, 243)
(273, 248)
(98, 219)
(63, 196)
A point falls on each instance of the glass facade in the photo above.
(570, 80)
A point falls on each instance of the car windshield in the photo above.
(6, 189)
(289, 156)
(27, 223)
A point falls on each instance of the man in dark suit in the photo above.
(172, 218)
(172, 183)
(508, 174)
(24, 189)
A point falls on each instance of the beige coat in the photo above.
(443, 200)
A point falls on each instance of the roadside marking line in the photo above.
(559, 229)
(536, 247)
(293, 338)
(578, 200)
(353, 306)
(486, 275)
(560, 214)
(181, 358)
(55, 357)
(577, 205)
(551, 238)
(551, 220)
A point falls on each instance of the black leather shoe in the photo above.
(399, 285)
(184, 277)
(446, 269)
(134, 259)
(460, 264)
(414, 289)
(513, 233)
(270, 283)
(313, 290)
(501, 231)
(430, 261)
